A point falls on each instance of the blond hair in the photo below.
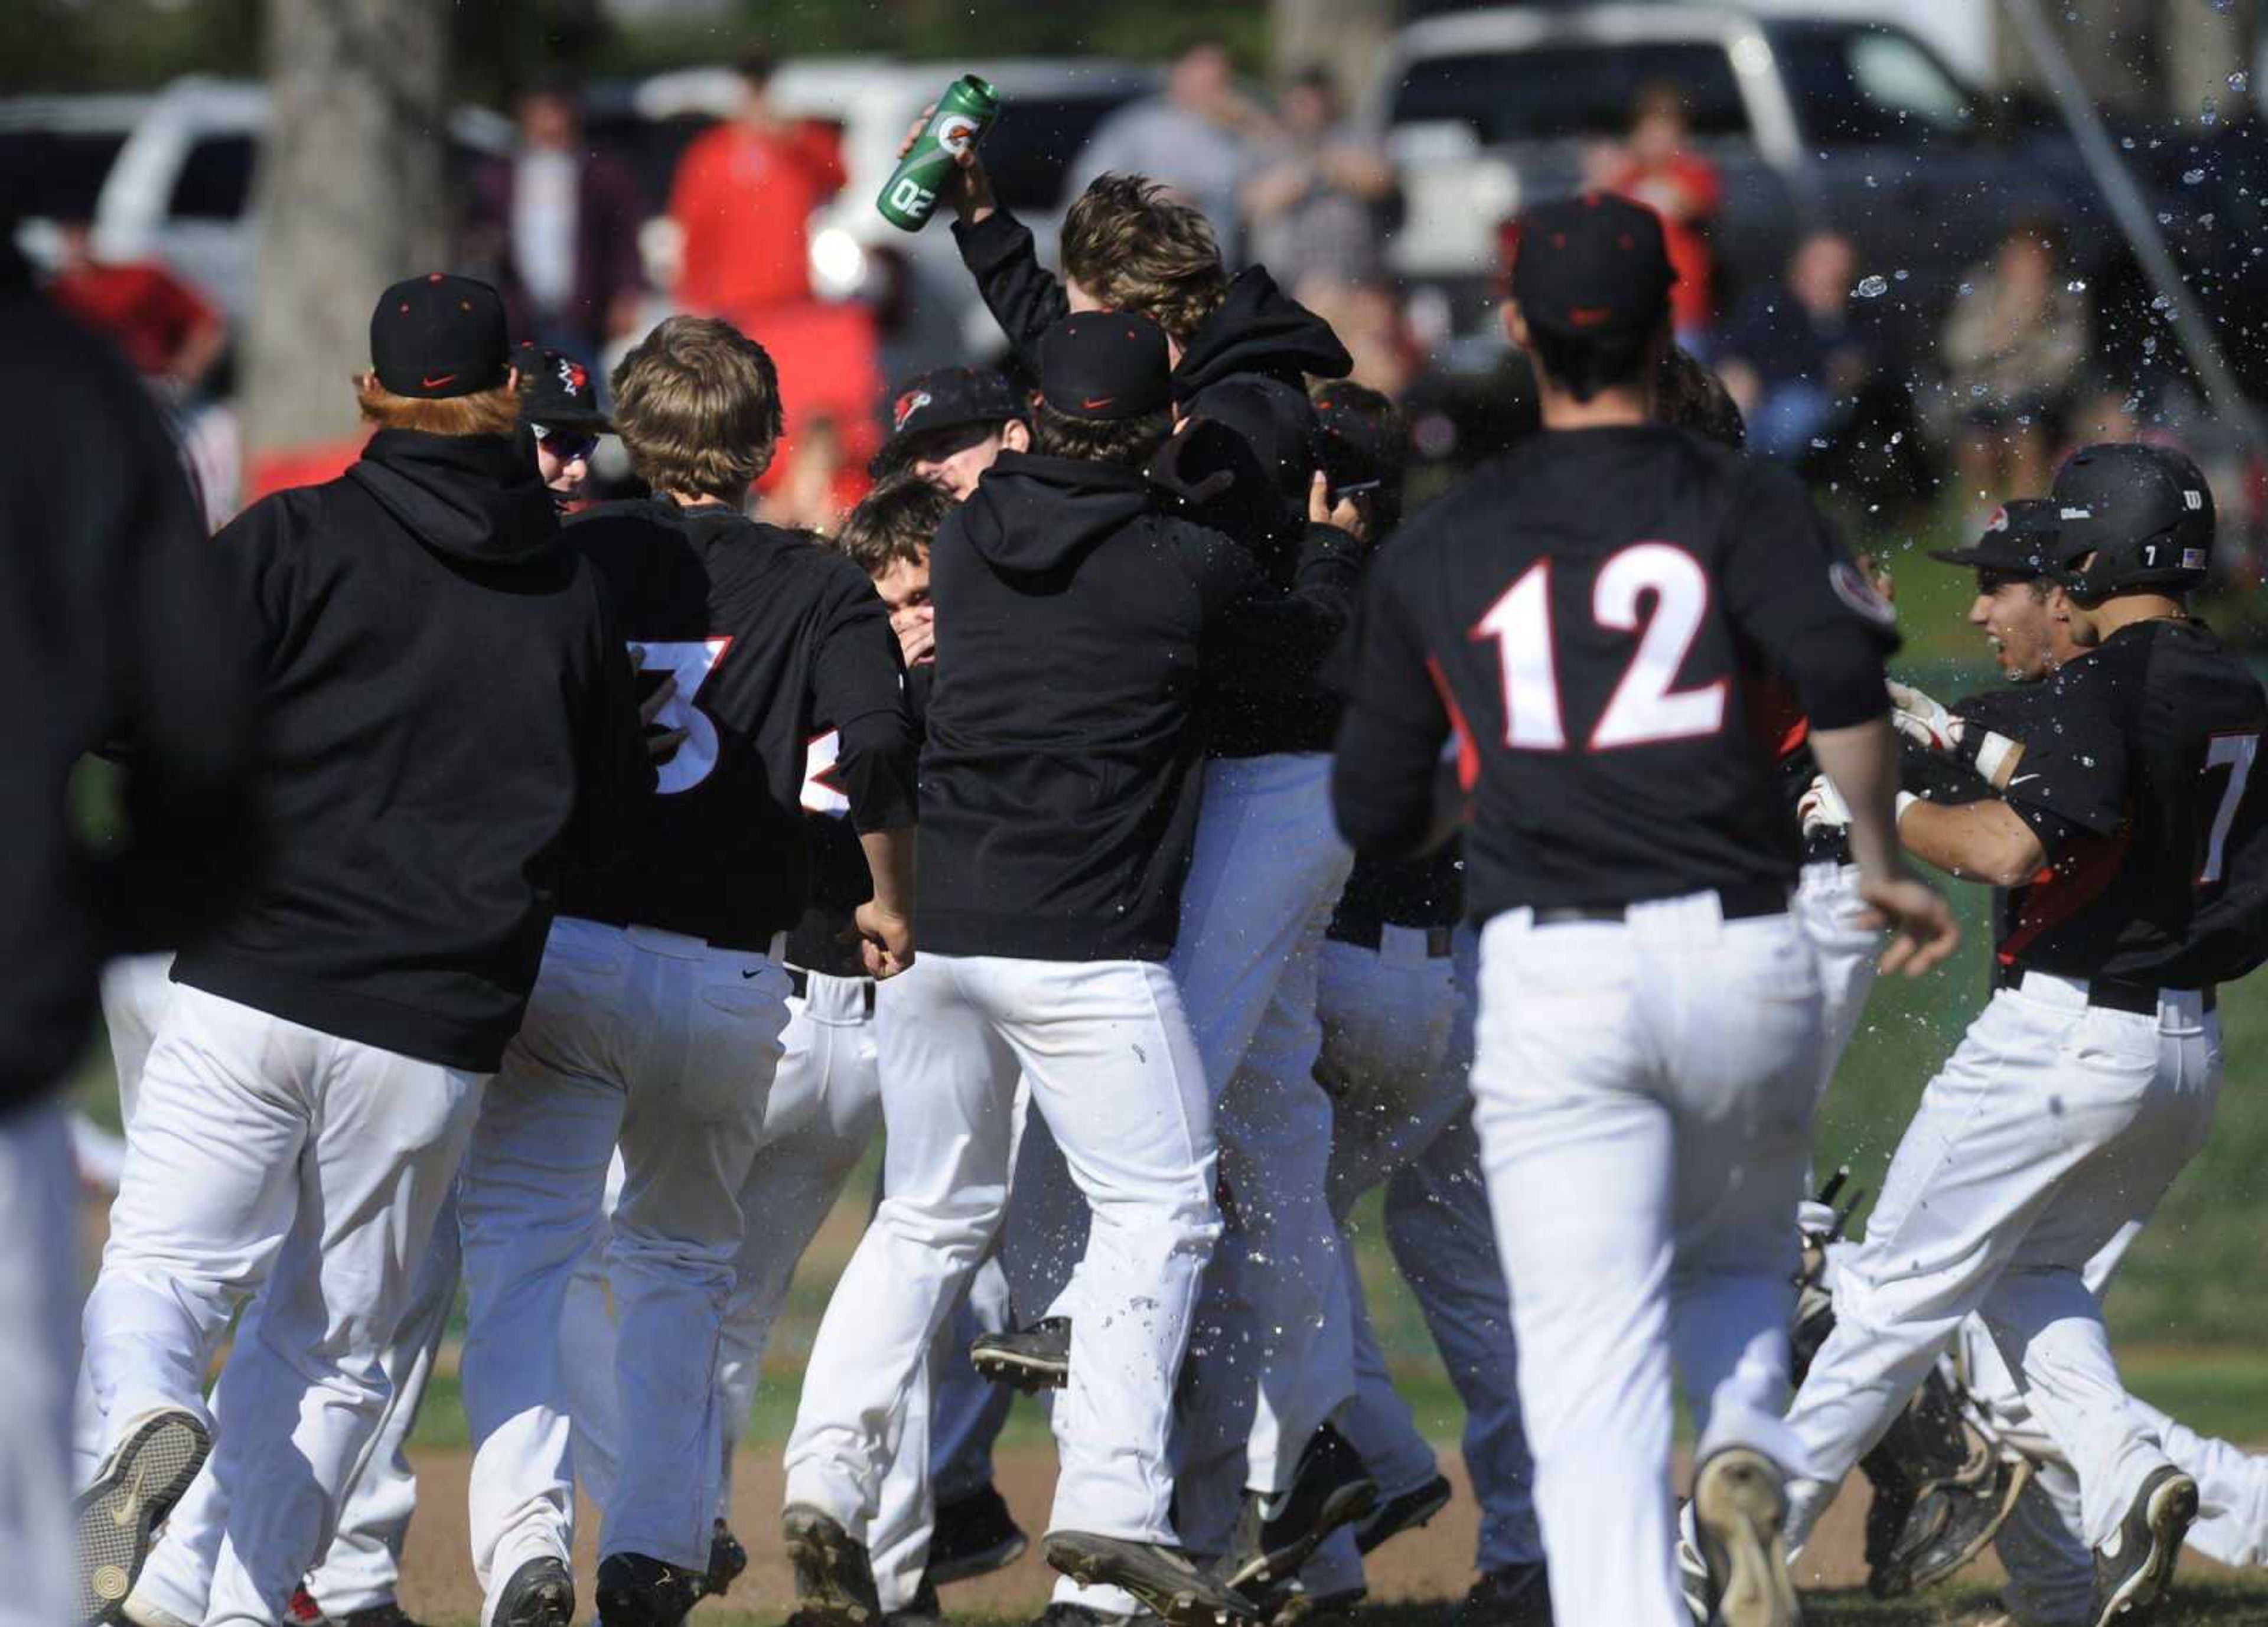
(698, 406)
(485, 412)
(1134, 247)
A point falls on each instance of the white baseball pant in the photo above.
(1825, 906)
(1643, 1095)
(362, 1567)
(1112, 1069)
(37, 1282)
(2052, 1126)
(668, 1045)
(243, 1123)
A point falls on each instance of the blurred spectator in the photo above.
(170, 333)
(814, 483)
(557, 226)
(742, 203)
(1314, 208)
(1655, 167)
(1197, 138)
(2012, 351)
(1793, 358)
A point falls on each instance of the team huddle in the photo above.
(1166, 845)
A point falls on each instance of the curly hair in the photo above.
(1128, 443)
(1134, 247)
(698, 406)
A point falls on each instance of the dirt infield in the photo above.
(1434, 1564)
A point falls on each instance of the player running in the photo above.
(2124, 824)
(1589, 611)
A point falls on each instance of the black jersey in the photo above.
(825, 939)
(1426, 892)
(765, 631)
(2138, 778)
(1592, 613)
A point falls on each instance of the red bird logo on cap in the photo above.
(905, 406)
(573, 376)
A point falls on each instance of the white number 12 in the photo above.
(1646, 706)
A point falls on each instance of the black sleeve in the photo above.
(858, 684)
(1794, 595)
(188, 713)
(1024, 297)
(2074, 776)
(617, 771)
(1269, 643)
(1390, 738)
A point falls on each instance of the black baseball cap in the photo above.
(439, 336)
(2019, 540)
(1594, 264)
(1105, 366)
(948, 398)
(556, 393)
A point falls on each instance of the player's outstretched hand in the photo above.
(1922, 932)
(1923, 720)
(885, 941)
(1346, 513)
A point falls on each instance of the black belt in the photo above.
(1733, 903)
(800, 985)
(761, 945)
(2118, 994)
(1438, 944)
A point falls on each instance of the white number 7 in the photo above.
(2235, 753)
(689, 662)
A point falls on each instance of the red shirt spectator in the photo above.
(165, 328)
(1656, 169)
(742, 202)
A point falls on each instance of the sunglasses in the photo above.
(568, 444)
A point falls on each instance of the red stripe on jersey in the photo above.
(2061, 890)
(1778, 722)
(1468, 756)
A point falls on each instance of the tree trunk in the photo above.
(1348, 37)
(2202, 46)
(351, 194)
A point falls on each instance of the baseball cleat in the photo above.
(637, 1590)
(727, 1558)
(974, 1535)
(146, 1473)
(1947, 1526)
(1161, 1578)
(1740, 1515)
(2135, 1567)
(1518, 1595)
(833, 1579)
(923, 1610)
(1031, 1359)
(1297, 1605)
(1329, 1488)
(1405, 1510)
(1060, 1613)
(388, 1614)
(541, 1593)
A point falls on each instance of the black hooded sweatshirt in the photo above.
(1242, 468)
(1077, 620)
(449, 717)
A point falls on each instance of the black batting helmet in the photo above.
(2131, 517)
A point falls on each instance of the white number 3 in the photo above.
(1645, 707)
(689, 662)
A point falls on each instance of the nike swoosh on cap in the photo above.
(1097, 402)
(435, 383)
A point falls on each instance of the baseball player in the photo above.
(2120, 818)
(560, 407)
(658, 1020)
(1060, 778)
(1266, 870)
(123, 626)
(327, 1042)
(949, 425)
(1590, 610)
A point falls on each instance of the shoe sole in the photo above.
(1356, 1500)
(999, 1557)
(1740, 1509)
(2173, 1509)
(1027, 1374)
(1376, 1532)
(144, 1475)
(1177, 1600)
(821, 1552)
(548, 1603)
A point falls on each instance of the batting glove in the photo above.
(1929, 725)
(1822, 809)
